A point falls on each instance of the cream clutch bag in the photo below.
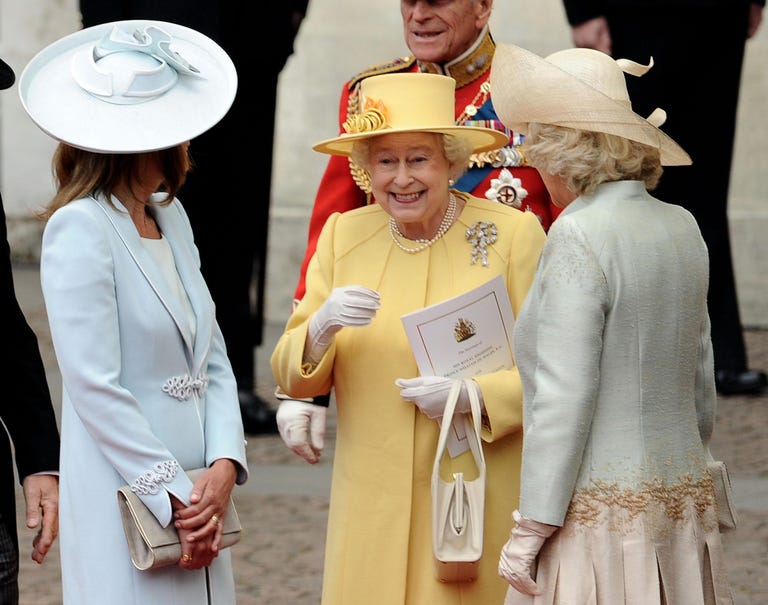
(153, 546)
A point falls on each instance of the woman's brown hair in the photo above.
(78, 173)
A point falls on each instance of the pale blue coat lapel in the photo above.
(186, 264)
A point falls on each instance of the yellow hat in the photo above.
(408, 102)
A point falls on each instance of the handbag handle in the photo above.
(472, 424)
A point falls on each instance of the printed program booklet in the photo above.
(463, 336)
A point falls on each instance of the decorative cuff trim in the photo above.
(149, 482)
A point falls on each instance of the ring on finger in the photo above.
(215, 519)
(186, 557)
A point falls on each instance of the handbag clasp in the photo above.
(459, 516)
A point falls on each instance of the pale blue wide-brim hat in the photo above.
(128, 86)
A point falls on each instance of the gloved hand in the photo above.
(345, 306)
(519, 553)
(429, 393)
(302, 426)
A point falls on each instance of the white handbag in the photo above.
(458, 506)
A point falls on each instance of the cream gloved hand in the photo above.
(519, 553)
(429, 393)
(302, 426)
(345, 306)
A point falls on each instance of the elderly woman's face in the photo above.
(409, 176)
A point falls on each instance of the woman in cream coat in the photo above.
(148, 391)
(613, 345)
(366, 273)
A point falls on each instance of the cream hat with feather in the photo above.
(578, 88)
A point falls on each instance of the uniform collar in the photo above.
(468, 66)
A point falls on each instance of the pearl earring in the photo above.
(451, 182)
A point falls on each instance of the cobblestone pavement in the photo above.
(284, 505)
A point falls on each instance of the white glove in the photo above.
(429, 393)
(345, 306)
(302, 426)
(519, 553)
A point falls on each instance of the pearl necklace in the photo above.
(445, 224)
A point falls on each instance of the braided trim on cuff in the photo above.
(149, 482)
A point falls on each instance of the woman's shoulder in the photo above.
(360, 218)
(349, 229)
(81, 204)
(480, 209)
(370, 210)
(77, 209)
(80, 226)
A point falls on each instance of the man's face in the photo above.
(438, 31)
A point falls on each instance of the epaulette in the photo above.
(394, 66)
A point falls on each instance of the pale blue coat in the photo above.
(120, 336)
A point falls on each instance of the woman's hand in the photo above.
(201, 522)
(197, 554)
(302, 426)
(519, 553)
(345, 306)
(430, 393)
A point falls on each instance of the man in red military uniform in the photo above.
(449, 37)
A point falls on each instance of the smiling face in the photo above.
(438, 31)
(409, 178)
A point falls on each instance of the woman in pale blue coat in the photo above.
(614, 352)
(148, 390)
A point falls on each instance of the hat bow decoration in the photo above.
(658, 116)
(126, 68)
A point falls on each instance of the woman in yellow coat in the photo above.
(373, 265)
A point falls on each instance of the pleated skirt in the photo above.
(617, 556)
